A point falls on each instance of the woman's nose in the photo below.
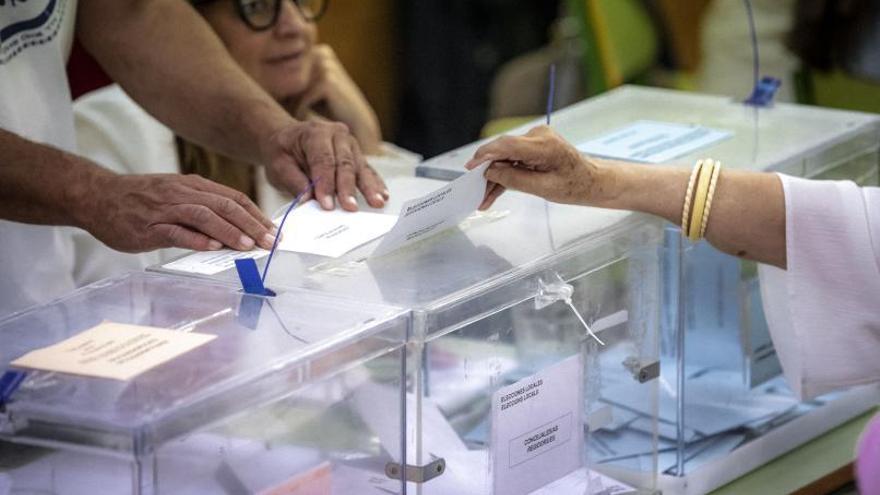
(290, 19)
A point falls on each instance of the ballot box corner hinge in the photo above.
(648, 372)
(642, 371)
(416, 474)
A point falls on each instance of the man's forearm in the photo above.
(171, 62)
(41, 184)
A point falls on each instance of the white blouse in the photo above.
(824, 310)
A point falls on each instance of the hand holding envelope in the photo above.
(432, 213)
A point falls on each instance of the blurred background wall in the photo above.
(451, 51)
(441, 73)
(366, 37)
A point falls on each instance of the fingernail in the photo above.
(274, 231)
(214, 245)
(386, 193)
(246, 242)
(379, 198)
(327, 203)
(268, 241)
(350, 200)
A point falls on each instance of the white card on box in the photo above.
(536, 428)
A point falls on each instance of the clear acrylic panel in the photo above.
(734, 392)
(472, 292)
(468, 378)
(275, 400)
(719, 384)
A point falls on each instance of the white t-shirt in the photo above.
(35, 39)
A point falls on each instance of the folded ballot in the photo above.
(309, 229)
(437, 211)
(312, 230)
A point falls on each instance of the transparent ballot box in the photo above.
(507, 391)
(275, 402)
(724, 406)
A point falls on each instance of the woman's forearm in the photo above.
(748, 210)
(747, 218)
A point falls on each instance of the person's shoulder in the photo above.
(116, 132)
(112, 108)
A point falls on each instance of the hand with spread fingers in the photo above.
(540, 163)
(327, 154)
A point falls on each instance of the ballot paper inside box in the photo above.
(265, 406)
(522, 391)
(490, 323)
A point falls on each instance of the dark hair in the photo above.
(827, 33)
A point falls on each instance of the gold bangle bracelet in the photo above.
(699, 202)
(712, 185)
(686, 209)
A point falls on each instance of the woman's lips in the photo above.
(293, 57)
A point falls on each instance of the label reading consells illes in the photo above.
(536, 429)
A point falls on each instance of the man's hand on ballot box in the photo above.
(144, 212)
(328, 154)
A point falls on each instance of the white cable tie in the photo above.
(584, 323)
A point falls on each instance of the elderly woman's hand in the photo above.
(540, 163)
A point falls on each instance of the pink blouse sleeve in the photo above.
(824, 310)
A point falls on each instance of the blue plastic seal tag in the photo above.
(249, 310)
(764, 92)
(9, 383)
(251, 281)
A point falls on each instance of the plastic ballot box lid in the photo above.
(789, 138)
(489, 261)
(263, 349)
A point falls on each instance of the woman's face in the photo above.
(279, 58)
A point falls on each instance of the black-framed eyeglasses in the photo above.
(260, 15)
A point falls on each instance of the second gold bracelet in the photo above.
(699, 201)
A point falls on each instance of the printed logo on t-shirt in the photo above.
(28, 23)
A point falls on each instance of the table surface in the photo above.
(804, 466)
